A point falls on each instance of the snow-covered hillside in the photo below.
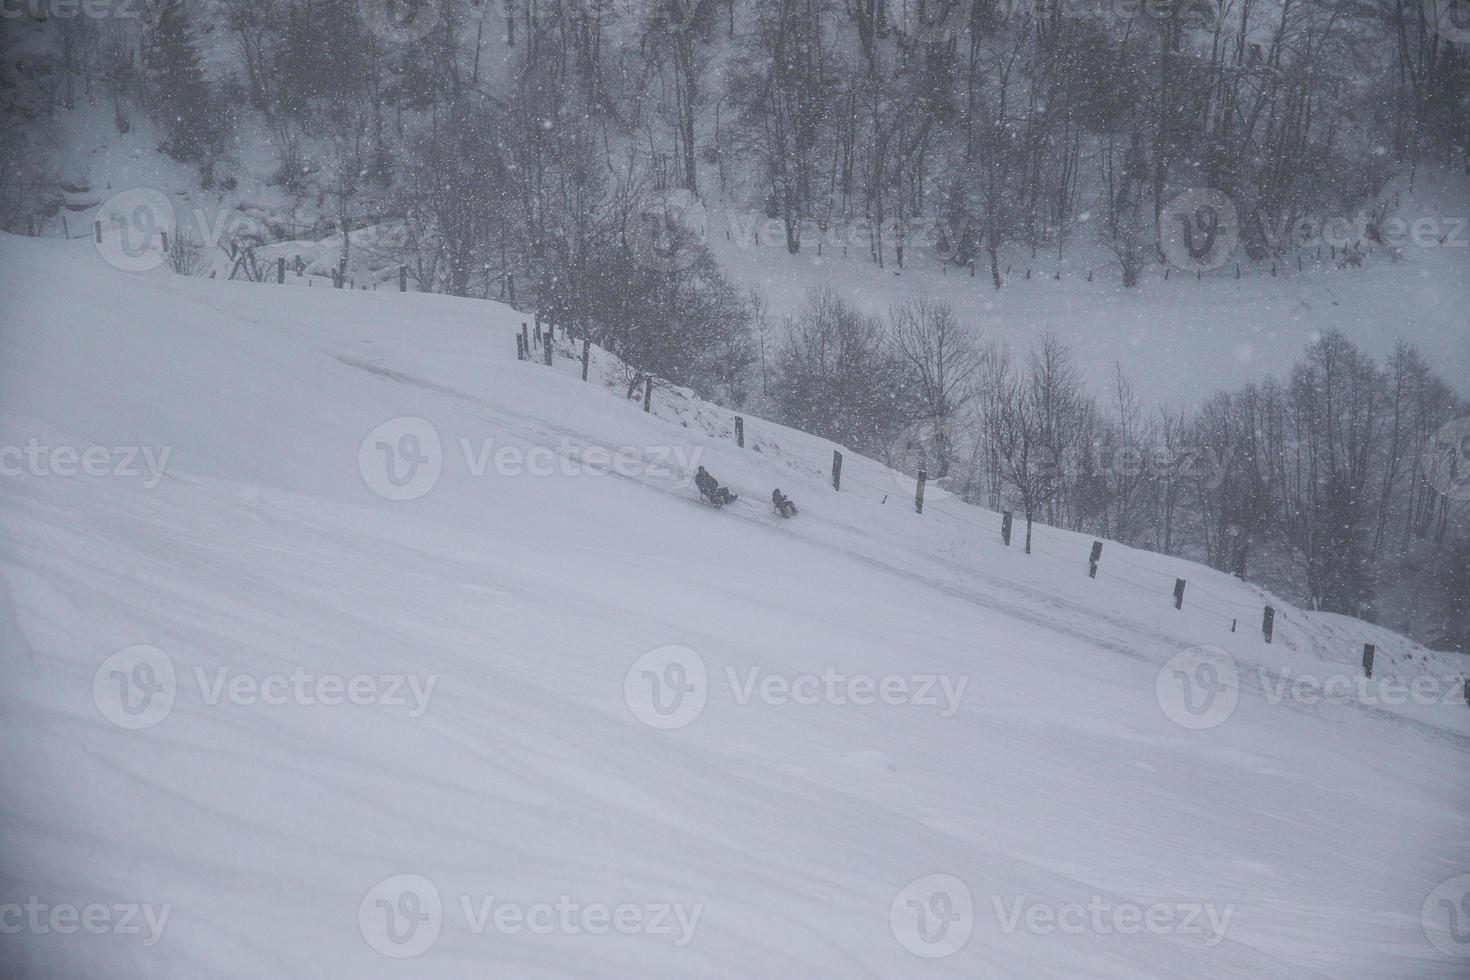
(338, 642)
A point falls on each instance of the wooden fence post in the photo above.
(280, 270)
(526, 337)
(403, 278)
(648, 394)
(520, 348)
(586, 355)
(97, 227)
(739, 432)
(164, 235)
(1179, 593)
(1268, 623)
(547, 350)
(1005, 528)
(1093, 559)
(836, 470)
(1368, 651)
(919, 492)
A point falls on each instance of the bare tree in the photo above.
(940, 361)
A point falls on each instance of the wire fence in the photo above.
(861, 478)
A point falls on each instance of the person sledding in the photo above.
(782, 503)
(710, 487)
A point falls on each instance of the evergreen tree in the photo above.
(181, 97)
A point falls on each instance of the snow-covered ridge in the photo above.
(549, 544)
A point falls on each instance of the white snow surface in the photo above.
(1059, 780)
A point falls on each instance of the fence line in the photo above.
(1230, 614)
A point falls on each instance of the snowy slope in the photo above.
(1051, 768)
